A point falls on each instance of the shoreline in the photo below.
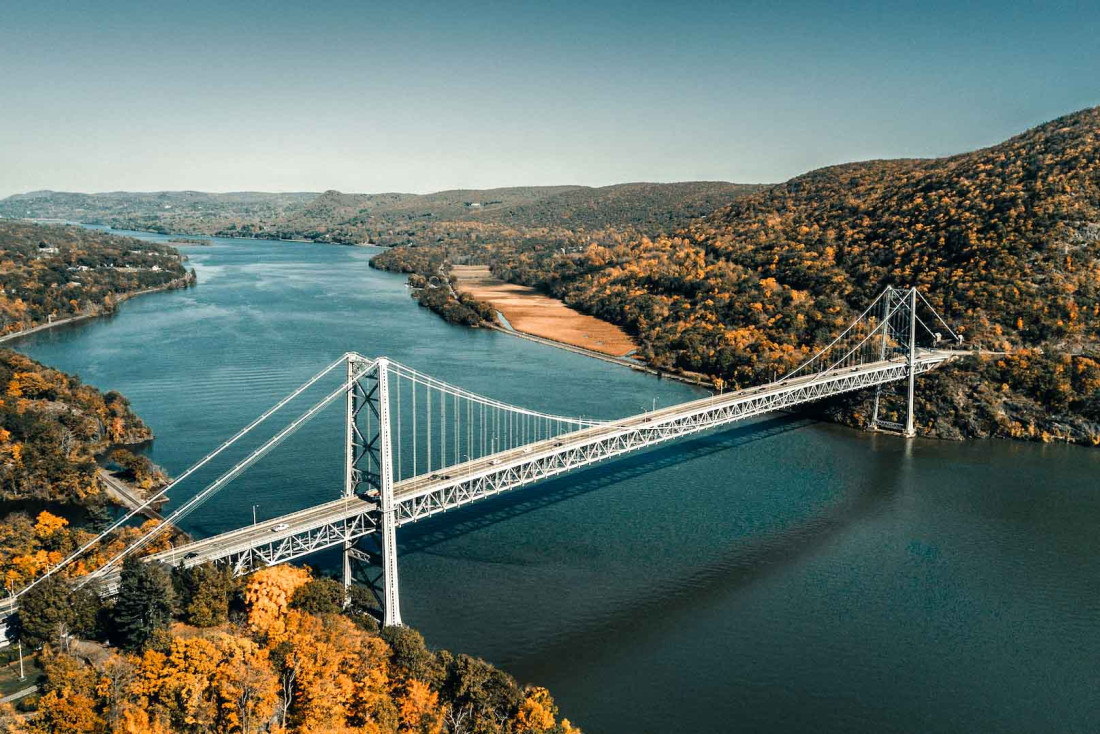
(536, 316)
(621, 361)
(122, 298)
(637, 366)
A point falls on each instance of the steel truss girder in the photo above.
(303, 543)
(354, 518)
(465, 490)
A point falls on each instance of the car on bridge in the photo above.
(280, 527)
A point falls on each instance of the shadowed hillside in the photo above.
(1005, 241)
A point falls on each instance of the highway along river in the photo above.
(781, 576)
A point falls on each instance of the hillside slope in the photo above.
(57, 272)
(1005, 241)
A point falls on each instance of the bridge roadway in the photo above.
(332, 523)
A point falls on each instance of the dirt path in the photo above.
(531, 312)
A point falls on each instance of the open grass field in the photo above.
(532, 312)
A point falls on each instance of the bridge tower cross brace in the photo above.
(368, 471)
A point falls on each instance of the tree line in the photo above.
(198, 650)
(1004, 241)
(56, 272)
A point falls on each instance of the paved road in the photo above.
(19, 694)
(123, 494)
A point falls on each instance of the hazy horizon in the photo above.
(430, 96)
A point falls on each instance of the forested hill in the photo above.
(57, 272)
(1005, 238)
(157, 211)
(389, 218)
(1005, 241)
(647, 207)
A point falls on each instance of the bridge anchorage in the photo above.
(415, 446)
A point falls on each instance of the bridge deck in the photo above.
(344, 519)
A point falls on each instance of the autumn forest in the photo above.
(721, 282)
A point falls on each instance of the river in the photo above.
(780, 576)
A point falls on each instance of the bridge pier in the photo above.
(892, 338)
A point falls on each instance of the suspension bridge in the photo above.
(415, 446)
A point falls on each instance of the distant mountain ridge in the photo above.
(390, 218)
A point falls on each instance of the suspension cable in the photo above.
(427, 380)
(939, 318)
(189, 506)
(837, 339)
(188, 472)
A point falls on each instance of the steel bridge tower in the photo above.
(897, 337)
(368, 473)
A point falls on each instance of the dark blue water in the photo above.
(779, 576)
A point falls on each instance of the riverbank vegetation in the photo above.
(1005, 242)
(52, 429)
(50, 273)
(742, 283)
(432, 284)
(564, 223)
(199, 651)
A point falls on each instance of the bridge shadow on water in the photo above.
(746, 560)
(441, 528)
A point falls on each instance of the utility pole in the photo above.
(254, 515)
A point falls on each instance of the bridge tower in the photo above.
(368, 474)
(887, 306)
(910, 429)
(897, 307)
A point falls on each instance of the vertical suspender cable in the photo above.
(398, 474)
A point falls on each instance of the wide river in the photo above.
(780, 576)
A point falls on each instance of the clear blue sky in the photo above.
(420, 96)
